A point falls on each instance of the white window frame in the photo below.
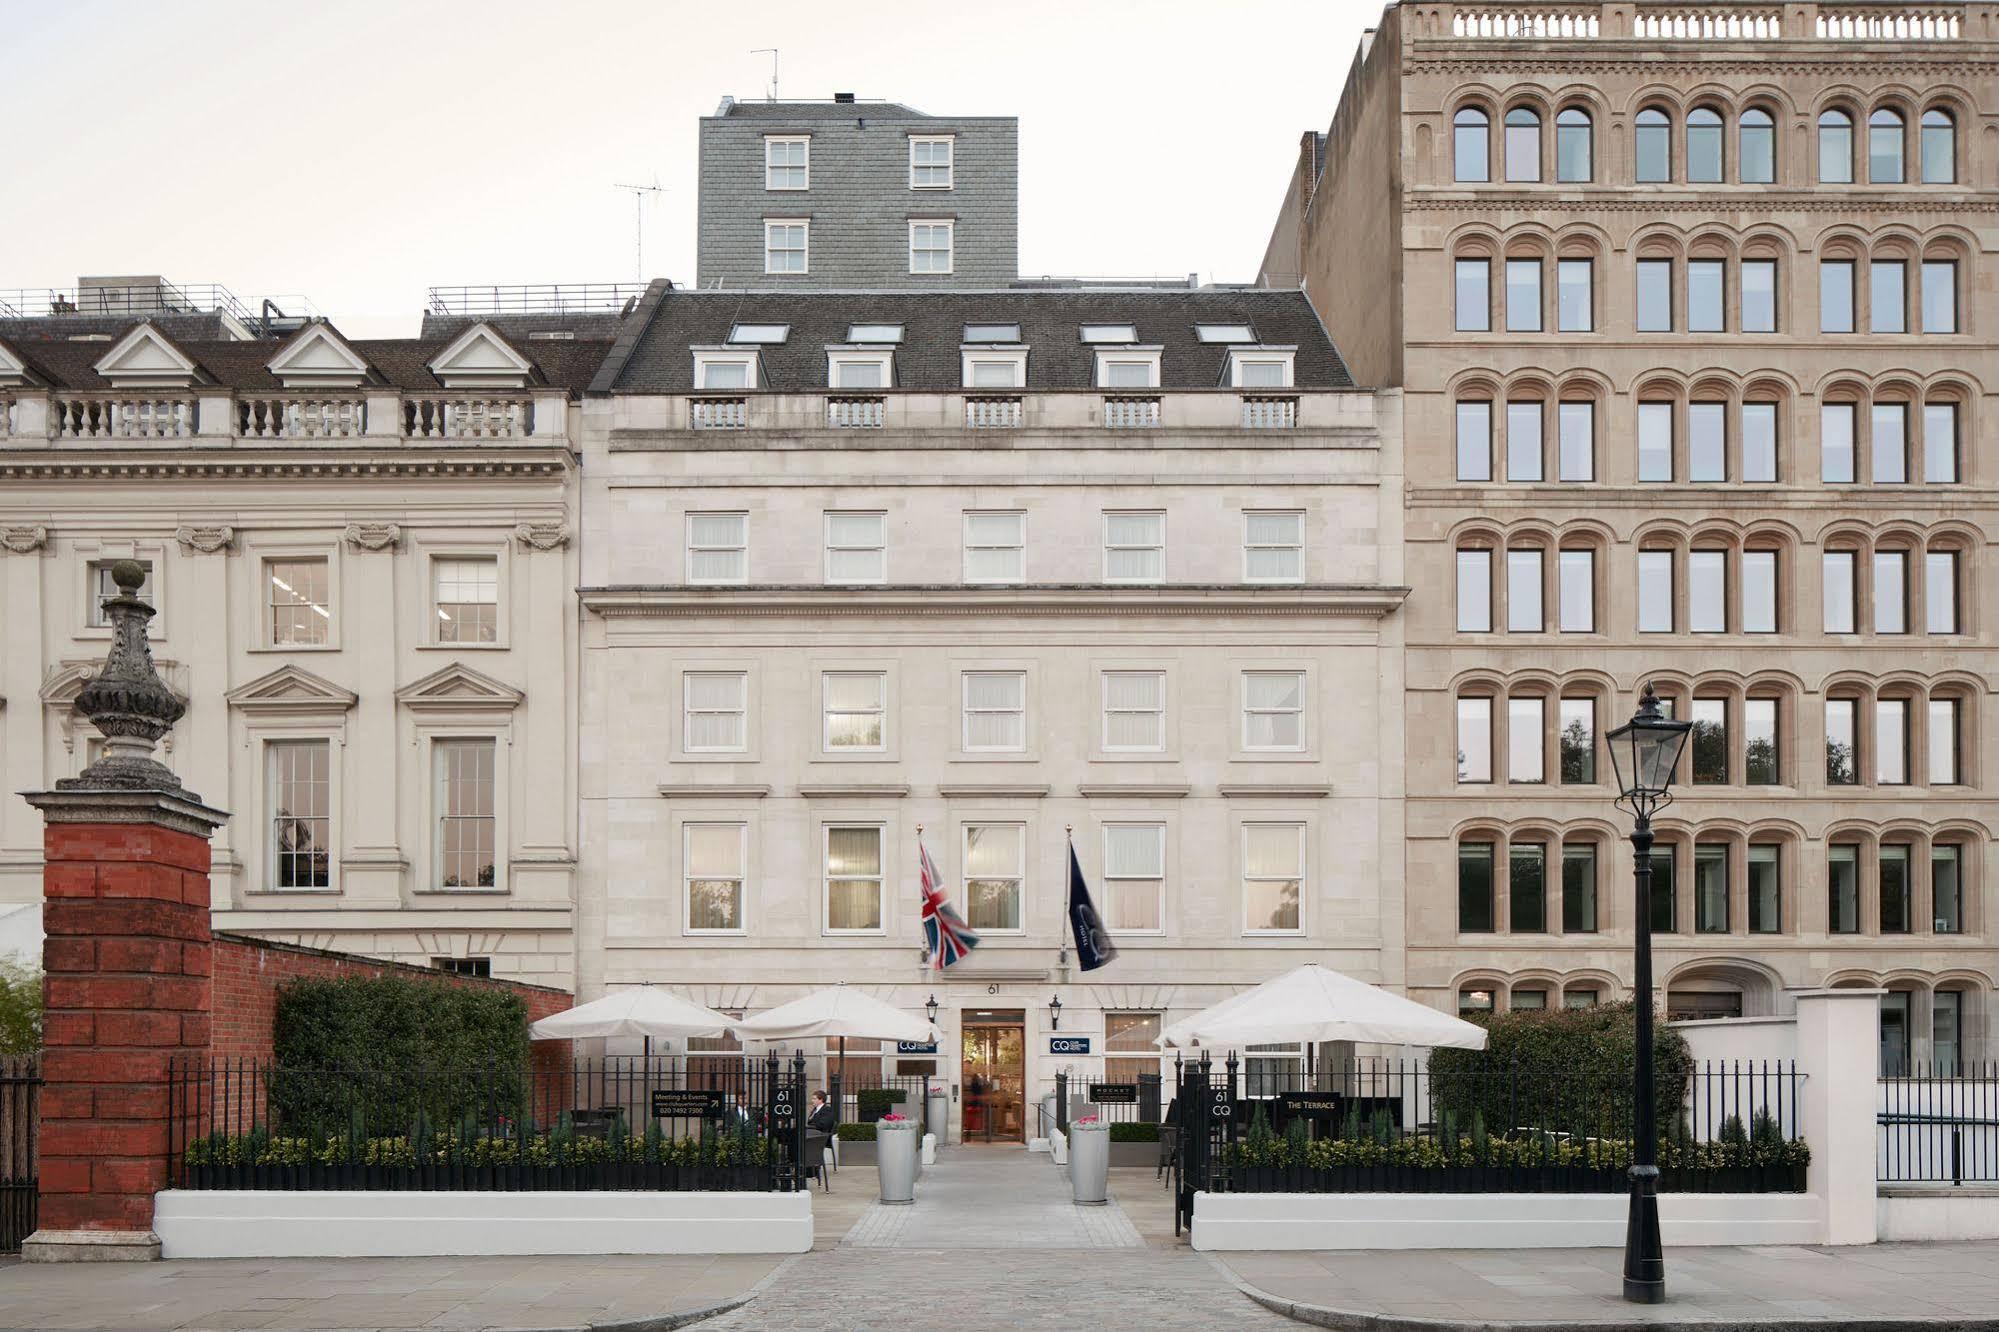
(966, 712)
(742, 878)
(787, 140)
(880, 546)
(687, 711)
(826, 831)
(1018, 545)
(750, 361)
(988, 354)
(950, 163)
(1019, 879)
(1113, 334)
(1225, 333)
(1242, 357)
(435, 786)
(97, 575)
(266, 608)
(334, 744)
(826, 745)
(1242, 694)
(434, 635)
(804, 224)
(1298, 829)
(1159, 545)
(950, 226)
(759, 335)
(1148, 357)
(1158, 831)
(740, 546)
(839, 357)
(1249, 545)
(1104, 678)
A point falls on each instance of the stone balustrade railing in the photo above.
(1124, 413)
(454, 417)
(211, 413)
(992, 413)
(855, 413)
(718, 413)
(120, 416)
(301, 418)
(1696, 20)
(1269, 411)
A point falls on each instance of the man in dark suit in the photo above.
(821, 1120)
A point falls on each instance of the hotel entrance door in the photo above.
(994, 1075)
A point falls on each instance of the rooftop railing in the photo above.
(207, 413)
(1694, 20)
(137, 299)
(534, 298)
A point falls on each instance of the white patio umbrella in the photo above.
(1314, 1003)
(639, 1010)
(836, 1013)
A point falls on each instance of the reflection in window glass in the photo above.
(1523, 592)
(1711, 890)
(1940, 442)
(1655, 591)
(1756, 155)
(1766, 902)
(1655, 296)
(1523, 295)
(1939, 296)
(1836, 428)
(1835, 296)
(1891, 742)
(1890, 443)
(1655, 441)
(1578, 442)
(1887, 296)
(1759, 591)
(1940, 591)
(1475, 591)
(1474, 740)
(1474, 295)
(1759, 741)
(1578, 890)
(1578, 741)
(1709, 741)
(1474, 441)
(1943, 739)
(1842, 863)
(1896, 918)
(1759, 441)
(1707, 591)
(1578, 591)
(1884, 148)
(1572, 146)
(1475, 887)
(1939, 148)
(1470, 130)
(1891, 592)
(1704, 295)
(1835, 148)
(1707, 441)
(1524, 729)
(1842, 765)
(1527, 890)
(1575, 282)
(1652, 147)
(1703, 146)
(1759, 295)
(1836, 574)
(1523, 441)
(1523, 145)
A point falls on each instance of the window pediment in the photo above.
(14, 372)
(459, 688)
(481, 358)
(146, 358)
(317, 357)
(291, 691)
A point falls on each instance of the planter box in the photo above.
(1124, 1154)
(617, 1176)
(1508, 1179)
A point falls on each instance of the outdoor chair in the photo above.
(1169, 1145)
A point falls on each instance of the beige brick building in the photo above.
(1693, 307)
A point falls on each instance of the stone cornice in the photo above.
(164, 809)
(1601, 59)
(853, 790)
(1358, 600)
(1514, 202)
(1275, 790)
(232, 465)
(714, 790)
(993, 790)
(1133, 790)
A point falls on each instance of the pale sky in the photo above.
(359, 152)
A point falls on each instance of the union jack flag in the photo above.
(949, 936)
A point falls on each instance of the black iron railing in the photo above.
(20, 1090)
(1939, 1126)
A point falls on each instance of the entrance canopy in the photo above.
(838, 1012)
(638, 1011)
(1315, 1003)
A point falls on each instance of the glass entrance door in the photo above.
(994, 1078)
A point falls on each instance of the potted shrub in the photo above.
(857, 1144)
(1134, 1145)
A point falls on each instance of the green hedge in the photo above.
(857, 1132)
(1566, 1070)
(380, 1051)
(559, 1147)
(874, 1102)
(1134, 1132)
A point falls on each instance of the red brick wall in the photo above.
(248, 972)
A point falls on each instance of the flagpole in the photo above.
(1062, 948)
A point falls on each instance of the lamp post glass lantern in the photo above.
(1644, 754)
(1055, 1013)
(931, 1008)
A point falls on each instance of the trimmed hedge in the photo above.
(1133, 1132)
(1566, 1069)
(858, 1132)
(874, 1102)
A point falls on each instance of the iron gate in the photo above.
(1207, 1111)
(20, 1091)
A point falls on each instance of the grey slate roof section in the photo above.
(204, 326)
(858, 198)
(600, 325)
(655, 356)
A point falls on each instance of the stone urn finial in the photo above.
(127, 701)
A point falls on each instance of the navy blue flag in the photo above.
(1093, 946)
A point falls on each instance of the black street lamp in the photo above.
(931, 1008)
(1055, 1013)
(1645, 753)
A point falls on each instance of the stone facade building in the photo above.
(856, 194)
(1693, 307)
(1116, 564)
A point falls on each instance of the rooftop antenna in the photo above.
(639, 193)
(770, 51)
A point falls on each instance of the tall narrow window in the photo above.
(1896, 917)
(1475, 861)
(853, 880)
(1474, 441)
(1707, 441)
(1575, 295)
(995, 547)
(1704, 146)
(995, 712)
(1711, 890)
(1523, 295)
(1759, 295)
(1652, 147)
(1939, 148)
(1946, 888)
(1836, 574)
(1884, 148)
(1940, 592)
(1836, 296)
(1134, 710)
(1655, 591)
(1842, 759)
(1471, 132)
(930, 162)
(1474, 740)
(1655, 295)
(1890, 443)
(716, 711)
(1709, 741)
(1523, 145)
(1705, 279)
(1525, 728)
(786, 163)
(994, 858)
(1842, 888)
(1836, 431)
(1946, 1028)
(467, 816)
(467, 597)
(1759, 441)
(1756, 154)
(1273, 710)
(855, 704)
(1835, 148)
(1134, 547)
(1891, 741)
(1940, 443)
(1523, 592)
(715, 871)
(1574, 153)
(1665, 895)
(1944, 742)
(1578, 741)
(1273, 872)
(1577, 586)
(1579, 888)
(856, 547)
(1939, 296)
(1474, 296)
(1766, 893)
(718, 548)
(1759, 742)
(300, 611)
(1273, 547)
(1134, 877)
(300, 793)
(1474, 591)
(1655, 441)
(1891, 592)
(1759, 591)
(1707, 591)
(1888, 296)
(1527, 887)
(1578, 441)
(1523, 440)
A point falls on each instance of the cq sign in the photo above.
(1068, 1045)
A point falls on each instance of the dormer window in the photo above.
(145, 358)
(1109, 333)
(766, 335)
(1224, 333)
(995, 367)
(976, 333)
(479, 358)
(874, 333)
(1128, 368)
(724, 371)
(317, 358)
(851, 369)
(1260, 367)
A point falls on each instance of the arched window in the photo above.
(1884, 147)
(1939, 148)
(1835, 148)
(1652, 147)
(1471, 132)
(1574, 152)
(1704, 145)
(1756, 155)
(1523, 144)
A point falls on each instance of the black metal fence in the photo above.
(1939, 1126)
(1384, 1125)
(20, 1114)
(1077, 1096)
(679, 1123)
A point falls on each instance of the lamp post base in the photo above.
(1644, 1257)
(1644, 1292)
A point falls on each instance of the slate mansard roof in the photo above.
(654, 353)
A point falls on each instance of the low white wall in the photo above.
(1939, 1212)
(1492, 1220)
(222, 1223)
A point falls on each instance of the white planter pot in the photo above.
(896, 1159)
(1090, 1162)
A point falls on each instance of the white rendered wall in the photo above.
(1914, 1212)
